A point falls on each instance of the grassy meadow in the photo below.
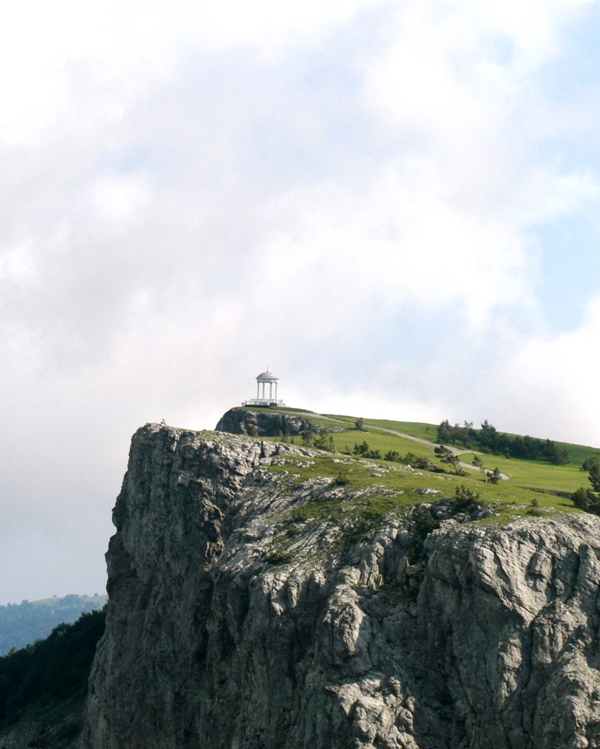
(534, 488)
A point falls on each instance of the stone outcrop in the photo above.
(234, 622)
(267, 423)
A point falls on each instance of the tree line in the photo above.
(26, 622)
(489, 440)
(51, 672)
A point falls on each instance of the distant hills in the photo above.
(24, 623)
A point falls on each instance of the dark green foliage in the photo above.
(364, 451)
(478, 463)
(307, 438)
(422, 463)
(415, 551)
(50, 672)
(360, 424)
(586, 500)
(594, 477)
(425, 522)
(361, 449)
(324, 442)
(534, 509)
(588, 464)
(279, 557)
(489, 440)
(393, 455)
(444, 454)
(559, 457)
(341, 479)
(447, 456)
(308, 435)
(494, 476)
(465, 499)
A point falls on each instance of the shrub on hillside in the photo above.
(447, 456)
(364, 451)
(465, 499)
(307, 438)
(324, 442)
(421, 463)
(534, 508)
(341, 479)
(586, 500)
(494, 476)
(594, 477)
(393, 455)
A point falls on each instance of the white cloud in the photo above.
(119, 197)
(344, 190)
(44, 48)
(18, 264)
(402, 241)
(557, 376)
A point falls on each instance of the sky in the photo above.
(395, 205)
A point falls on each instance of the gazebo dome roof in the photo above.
(267, 377)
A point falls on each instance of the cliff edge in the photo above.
(263, 423)
(251, 609)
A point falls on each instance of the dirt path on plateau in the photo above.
(421, 441)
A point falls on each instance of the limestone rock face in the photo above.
(263, 423)
(232, 626)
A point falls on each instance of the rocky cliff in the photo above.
(268, 423)
(250, 609)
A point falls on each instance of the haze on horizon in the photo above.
(395, 204)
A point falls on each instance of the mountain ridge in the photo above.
(292, 612)
(23, 623)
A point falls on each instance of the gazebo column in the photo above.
(263, 396)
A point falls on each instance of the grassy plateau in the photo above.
(529, 487)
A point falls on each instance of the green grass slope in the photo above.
(532, 488)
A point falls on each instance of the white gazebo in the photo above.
(263, 380)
